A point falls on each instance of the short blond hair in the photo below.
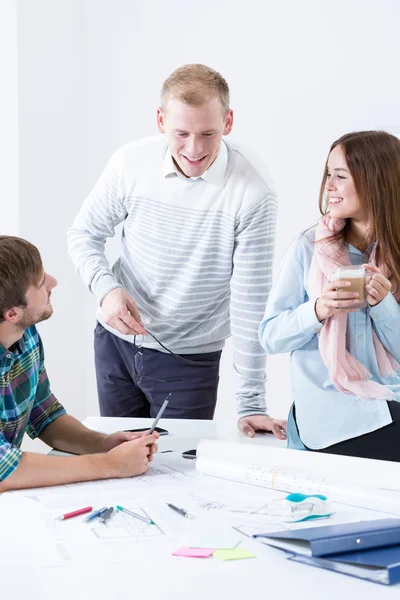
(195, 84)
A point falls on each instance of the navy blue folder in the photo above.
(381, 565)
(332, 539)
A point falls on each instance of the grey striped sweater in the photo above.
(196, 254)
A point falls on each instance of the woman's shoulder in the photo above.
(307, 237)
(302, 247)
(298, 255)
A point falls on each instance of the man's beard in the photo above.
(32, 317)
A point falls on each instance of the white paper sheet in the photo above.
(224, 510)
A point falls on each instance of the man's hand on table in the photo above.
(249, 426)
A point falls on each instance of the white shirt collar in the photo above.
(215, 174)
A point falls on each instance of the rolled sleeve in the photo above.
(10, 456)
(46, 408)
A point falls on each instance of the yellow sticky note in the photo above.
(233, 554)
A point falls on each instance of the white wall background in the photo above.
(9, 206)
(89, 77)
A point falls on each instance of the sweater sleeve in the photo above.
(101, 212)
(250, 285)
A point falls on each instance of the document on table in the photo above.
(25, 536)
(224, 513)
(227, 495)
(157, 477)
(50, 542)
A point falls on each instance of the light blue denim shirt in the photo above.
(324, 415)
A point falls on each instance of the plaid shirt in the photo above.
(26, 401)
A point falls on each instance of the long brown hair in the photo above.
(20, 267)
(373, 159)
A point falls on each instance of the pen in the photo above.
(132, 514)
(159, 415)
(75, 513)
(181, 511)
(106, 515)
(242, 532)
(97, 513)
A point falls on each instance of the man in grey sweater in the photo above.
(195, 265)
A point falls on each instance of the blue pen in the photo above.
(96, 513)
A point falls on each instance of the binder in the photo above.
(380, 565)
(334, 539)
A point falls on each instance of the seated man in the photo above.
(26, 401)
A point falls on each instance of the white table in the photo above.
(270, 575)
(184, 431)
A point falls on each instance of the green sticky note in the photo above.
(233, 554)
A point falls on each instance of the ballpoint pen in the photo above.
(181, 511)
(133, 514)
(75, 513)
(160, 412)
(96, 513)
(106, 515)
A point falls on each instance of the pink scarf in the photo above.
(347, 373)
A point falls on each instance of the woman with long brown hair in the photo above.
(335, 306)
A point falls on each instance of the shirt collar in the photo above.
(354, 250)
(215, 174)
(18, 347)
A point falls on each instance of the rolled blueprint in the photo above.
(347, 480)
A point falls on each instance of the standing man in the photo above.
(195, 264)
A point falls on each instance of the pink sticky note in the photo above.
(194, 552)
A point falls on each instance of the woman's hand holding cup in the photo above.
(337, 298)
(378, 286)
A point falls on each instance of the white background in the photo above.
(81, 77)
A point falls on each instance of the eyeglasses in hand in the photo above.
(138, 360)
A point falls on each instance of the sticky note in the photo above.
(194, 552)
(234, 554)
